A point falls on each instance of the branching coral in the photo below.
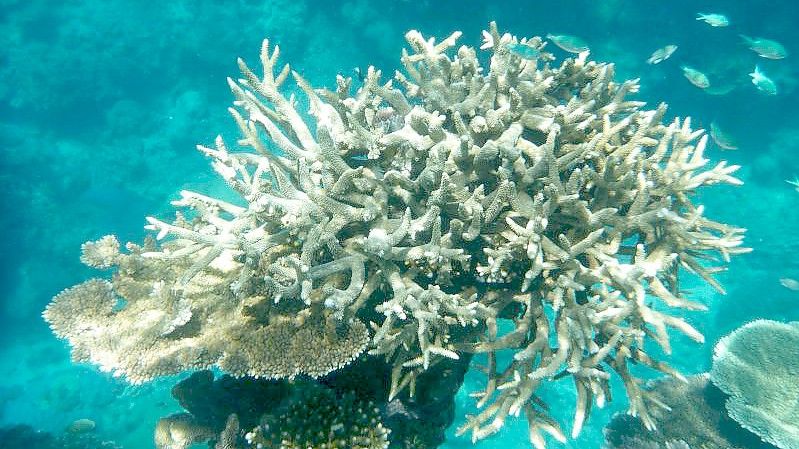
(409, 218)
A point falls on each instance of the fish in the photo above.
(713, 19)
(571, 44)
(661, 54)
(523, 51)
(82, 425)
(794, 183)
(763, 82)
(765, 48)
(397, 407)
(721, 138)
(696, 77)
(720, 89)
(790, 284)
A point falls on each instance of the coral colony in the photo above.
(459, 208)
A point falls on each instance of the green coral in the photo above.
(408, 218)
(417, 423)
(313, 417)
(319, 419)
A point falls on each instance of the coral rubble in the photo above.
(410, 219)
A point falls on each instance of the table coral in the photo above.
(693, 414)
(409, 218)
(757, 365)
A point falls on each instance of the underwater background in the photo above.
(103, 102)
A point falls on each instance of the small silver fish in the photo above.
(763, 82)
(661, 54)
(790, 284)
(765, 48)
(714, 20)
(721, 138)
(720, 89)
(572, 44)
(696, 77)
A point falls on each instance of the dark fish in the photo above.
(397, 407)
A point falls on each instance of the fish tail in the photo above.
(746, 38)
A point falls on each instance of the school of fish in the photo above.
(765, 48)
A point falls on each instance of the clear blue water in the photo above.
(102, 102)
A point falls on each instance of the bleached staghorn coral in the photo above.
(431, 207)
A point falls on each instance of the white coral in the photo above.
(101, 253)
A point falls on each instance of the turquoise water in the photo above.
(102, 104)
